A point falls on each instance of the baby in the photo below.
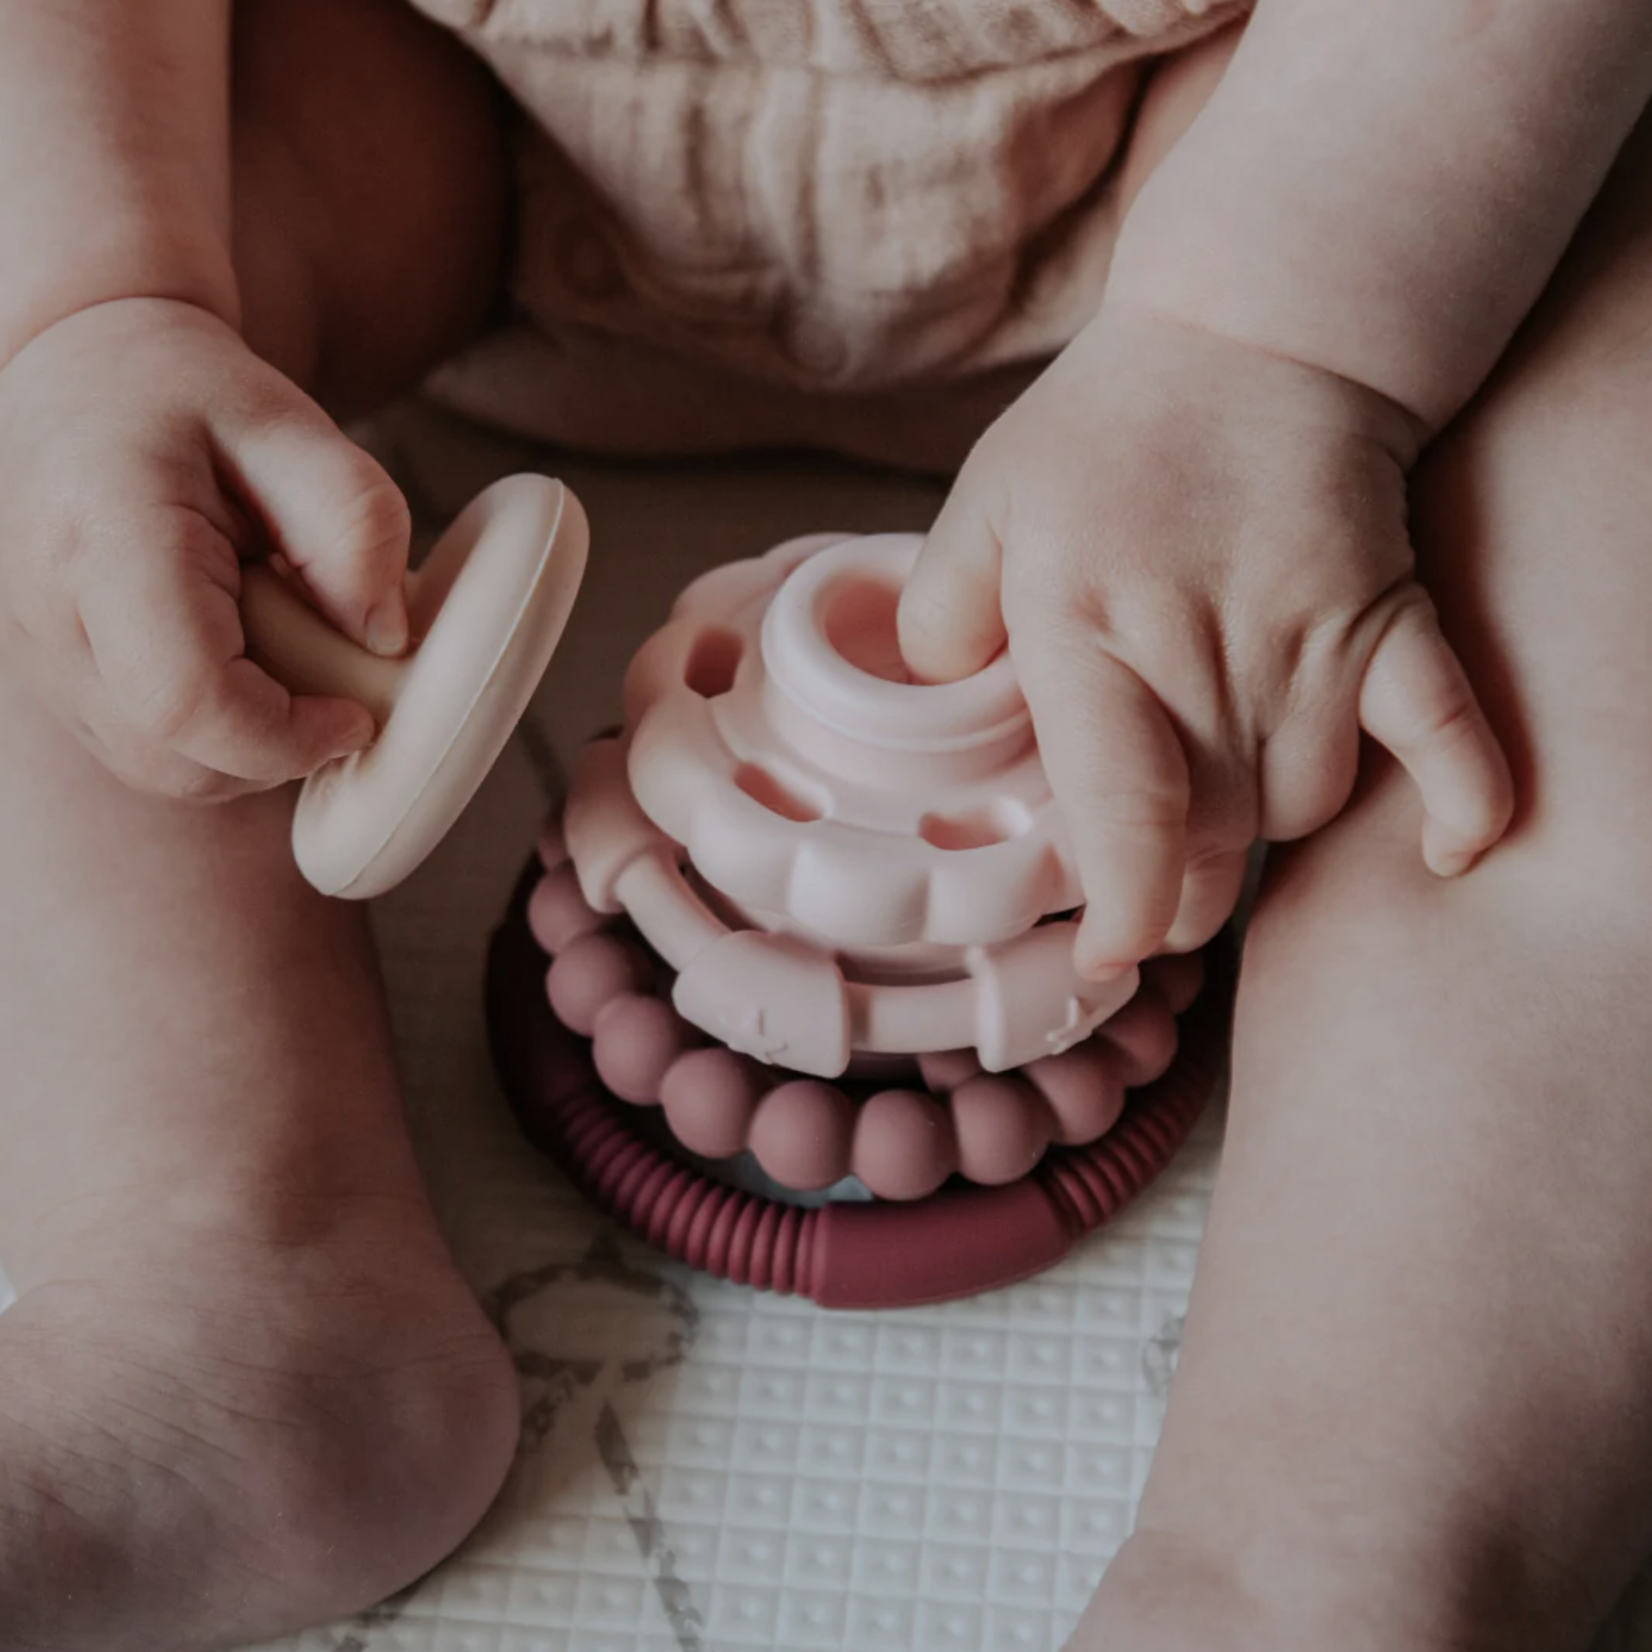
(243, 1388)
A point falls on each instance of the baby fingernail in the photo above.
(386, 627)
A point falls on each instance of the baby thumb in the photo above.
(950, 618)
(336, 516)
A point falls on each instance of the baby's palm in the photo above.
(1199, 557)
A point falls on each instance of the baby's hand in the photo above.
(144, 450)
(1199, 554)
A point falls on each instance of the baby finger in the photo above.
(1210, 890)
(1417, 701)
(950, 617)
(1119, 772)
(168, 647)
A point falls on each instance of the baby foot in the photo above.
(219, 1442)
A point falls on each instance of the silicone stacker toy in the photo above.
(810, 1018)
(485, 612)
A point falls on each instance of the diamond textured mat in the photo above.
(704, 1468)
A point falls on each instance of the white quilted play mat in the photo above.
(704, 1468)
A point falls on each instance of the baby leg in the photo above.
(243, 1387)
(1411, 1409)
(371, 194)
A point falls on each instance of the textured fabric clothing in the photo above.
(836, 194)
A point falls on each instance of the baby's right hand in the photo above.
(144, 452)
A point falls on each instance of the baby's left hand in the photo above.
(1198, 554)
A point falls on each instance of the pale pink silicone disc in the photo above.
(486, 611)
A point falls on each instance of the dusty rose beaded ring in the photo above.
(900, 1140)
(913, 1243)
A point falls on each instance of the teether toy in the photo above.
(485, 611)
(810, 1017)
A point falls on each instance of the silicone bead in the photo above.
(1084, 1089)
(903, 1146)
(944, 1070)
(552, 846)
(1003, 1128)
(558, 912)
(636, 1039)
(1178, 976)
(1144, 1034)
(801, 1134)
(709, 1098)
(590, 971)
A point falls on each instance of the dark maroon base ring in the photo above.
(957, 1242)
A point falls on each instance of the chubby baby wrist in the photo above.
(149, 309)
(1180, 345)
(202, 280)
(1421, 338)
